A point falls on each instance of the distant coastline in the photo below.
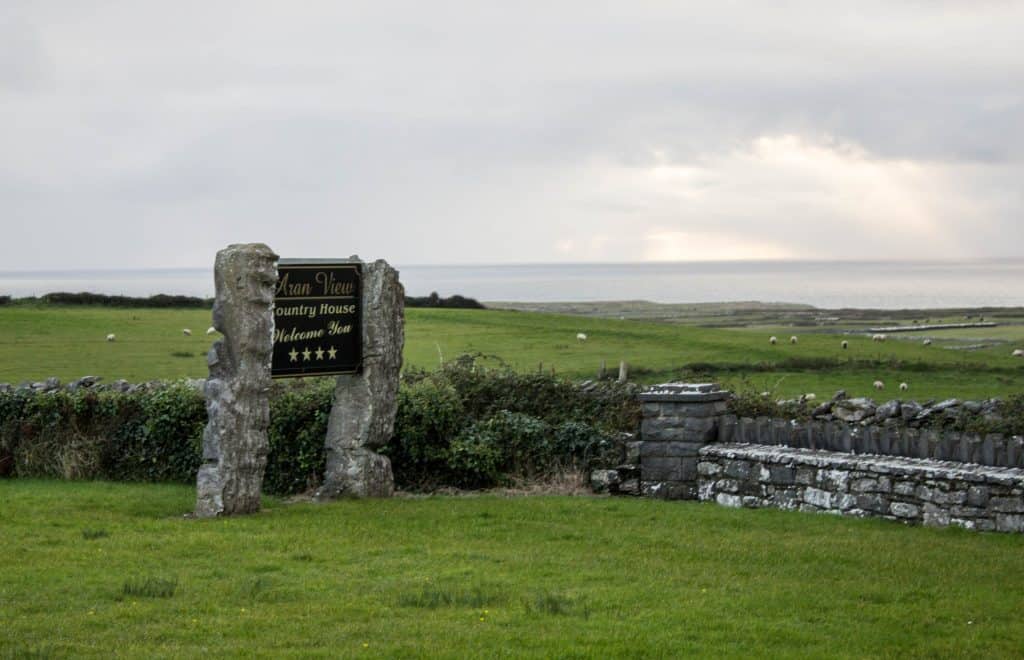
(887, 285)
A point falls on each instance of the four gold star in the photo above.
(307, 354)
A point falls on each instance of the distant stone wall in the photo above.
(937, 493)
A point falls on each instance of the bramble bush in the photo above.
(463, 426)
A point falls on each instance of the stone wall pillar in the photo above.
(363, 415)
(238, 389)
(678, 419)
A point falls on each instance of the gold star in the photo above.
(332, 352)
(319, 353)
(294, 355)
(305, 355)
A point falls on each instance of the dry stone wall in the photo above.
(937, 493)
(690, 448)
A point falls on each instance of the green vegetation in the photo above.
(489, 576)
(68, 342)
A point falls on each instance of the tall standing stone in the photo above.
(363, 415)
(238, 389)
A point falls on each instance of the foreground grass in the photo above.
(96, 568)
(68, 342)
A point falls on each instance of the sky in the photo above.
(151, 134)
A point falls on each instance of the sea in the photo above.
(824, 284)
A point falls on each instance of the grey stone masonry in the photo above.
(678, 419)
(916, 491)
(237, 392)
(889, 439)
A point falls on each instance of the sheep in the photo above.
(792, 340)
(186, 332)
(211, 330)
(810, 396)
(878, 385)
(878, 338)
(111, 337)
(1017, 353)
(581, 336)
(773, 340)
(904, 387)
(927, 342)
(845, 344)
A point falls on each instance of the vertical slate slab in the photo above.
(237, 392)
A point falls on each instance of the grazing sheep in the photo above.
(1018, 353)
(927, 342)
(845, 344)
(878, 338)
(904, 387)
(186, 332)
(792, 340)
(810, 396)
(211, 330)
(111, 337)
(773, 340)
(878, 385)
(581, 336)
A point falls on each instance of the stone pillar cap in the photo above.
(684, 393)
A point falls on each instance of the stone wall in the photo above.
(938, 493)
(887, 439)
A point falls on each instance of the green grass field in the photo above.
(69, 342)
(97, 569)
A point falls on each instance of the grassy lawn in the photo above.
(68, 342)
(489, 576)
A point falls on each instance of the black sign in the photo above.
(318, 319)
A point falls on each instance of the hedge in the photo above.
(462, 426)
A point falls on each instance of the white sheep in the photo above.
(810, 396)
(211, 330)
(927, 342)
(773, 340)
(904, 387)
(186, 332)
(1018, 353)
(581, 336)
(878, 385)
(111, 337)
(845, 344)
(878, 338)
(792, 340)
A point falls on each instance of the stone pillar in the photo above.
(238, 389)
(363, 415)
(678, 419)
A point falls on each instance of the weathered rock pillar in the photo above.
(678, 420)
(238, 389)
(363, 415)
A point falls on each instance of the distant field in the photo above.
(101, 569)
(68, 342)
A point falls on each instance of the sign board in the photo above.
(318, 318)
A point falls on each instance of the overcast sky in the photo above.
(151, 134)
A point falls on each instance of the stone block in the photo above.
(724, 499)
(708, 469)
(782, 475)
(905, 510)
(633, 451)
(806, 475)
(834, 480)
(873, 503)
(727, 486)
(1007, 504)
(817, 497)
(846, 502)
(904, 487)
(602, 481)
(738, 469)
(1009, 523)
(935, 516)
(864, 485)
(978, 496)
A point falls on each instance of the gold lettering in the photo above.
(286, 289)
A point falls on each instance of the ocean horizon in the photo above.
(825, 284)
